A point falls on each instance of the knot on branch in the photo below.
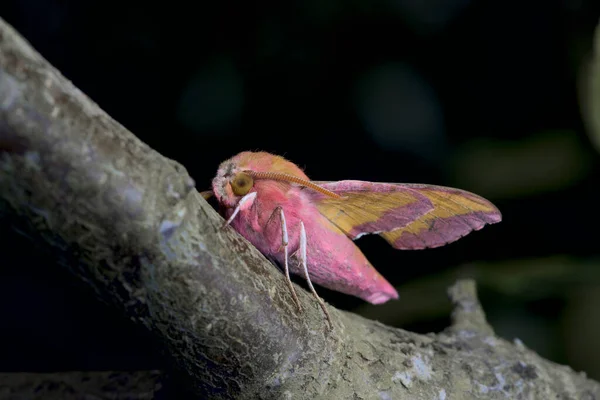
(467, 313)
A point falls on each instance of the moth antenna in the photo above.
(280, 176)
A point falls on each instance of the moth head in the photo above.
(237, 176)
(231, 183)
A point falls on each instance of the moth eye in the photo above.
(241, 184)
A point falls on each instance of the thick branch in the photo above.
(118, 385)
(130, 224)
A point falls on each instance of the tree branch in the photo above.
(130, 224)
(139, 385)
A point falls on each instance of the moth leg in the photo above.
(246, 200)
(305, 267)
(284, 246)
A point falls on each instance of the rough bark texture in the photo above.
(130, 223)
(142, 385)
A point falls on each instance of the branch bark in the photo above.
(131, 225)
(118, 385)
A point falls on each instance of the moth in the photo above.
(308, 227)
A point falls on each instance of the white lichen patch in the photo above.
(47, 95)
(276, 357)
(464, 334)
(499, 387)
(404, 378)
(483, 388)
(442, 395)
(11, 91)
(167, 226)
(419, 370)
(519, 343)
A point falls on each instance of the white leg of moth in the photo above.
(284, 245)
(305, 267)
(245, 201)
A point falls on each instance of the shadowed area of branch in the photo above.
(117, 385)
(131, 225)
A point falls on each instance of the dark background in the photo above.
(481, 95)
